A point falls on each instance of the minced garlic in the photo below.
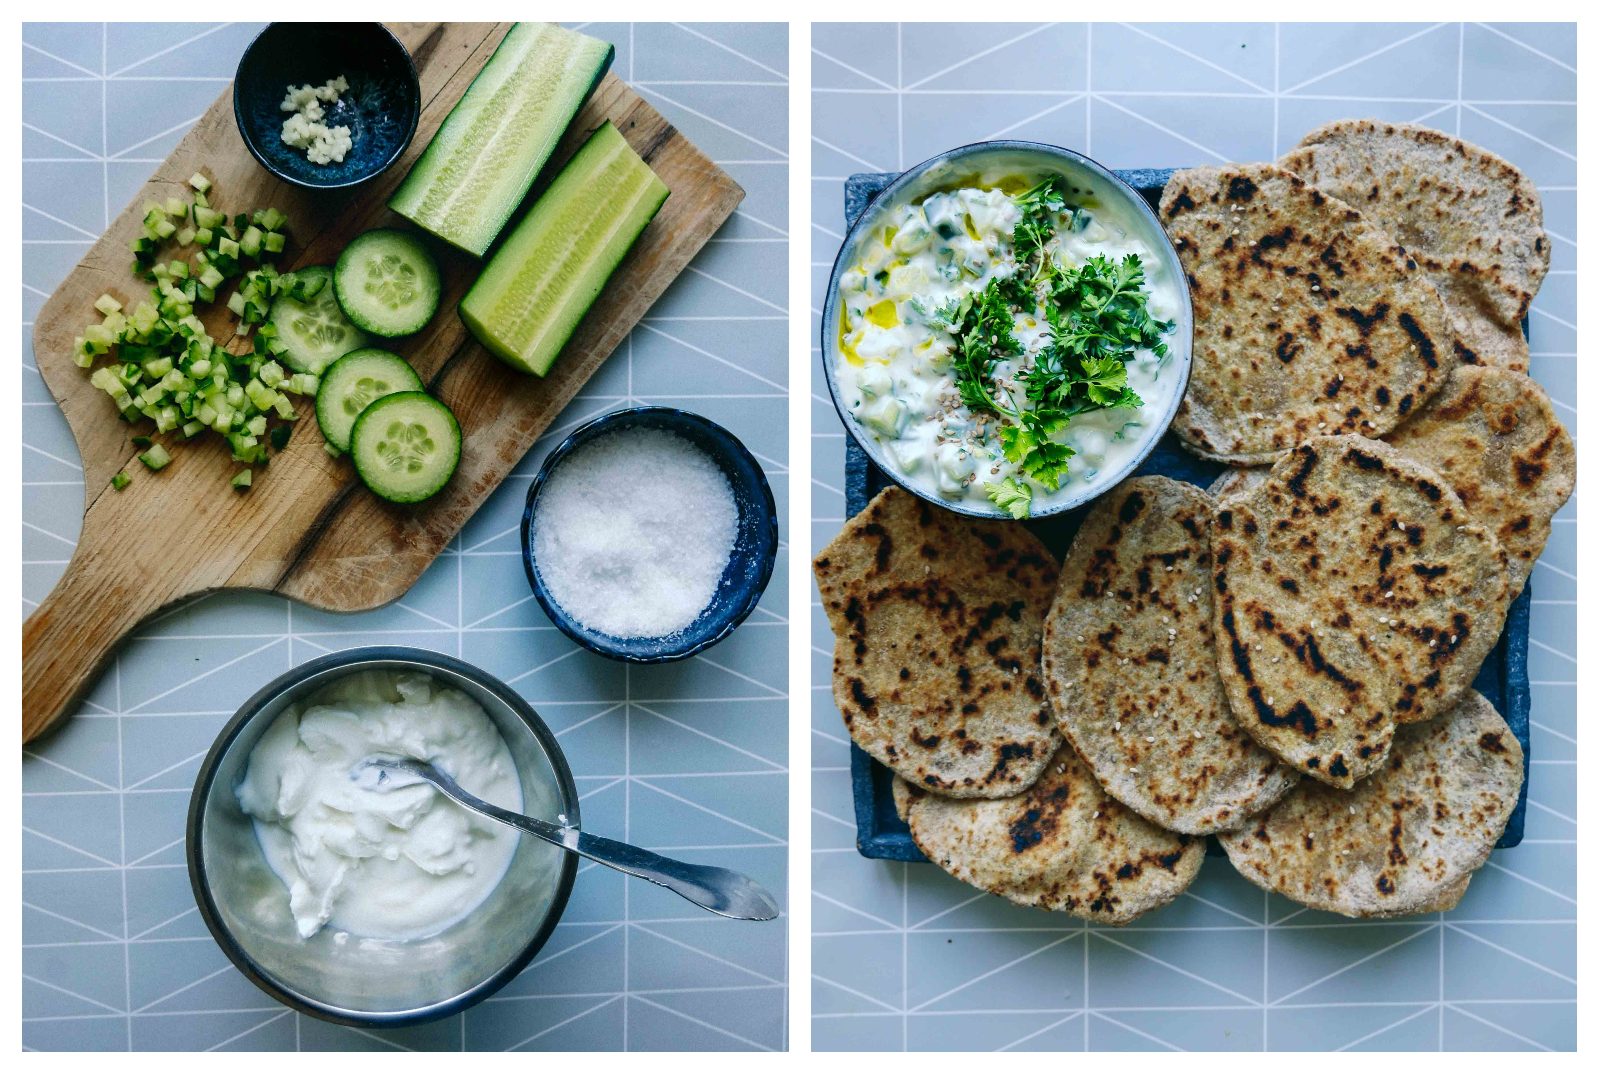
(305, 129)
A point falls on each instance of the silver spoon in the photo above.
(721, 891)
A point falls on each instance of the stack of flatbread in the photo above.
(1282, 660)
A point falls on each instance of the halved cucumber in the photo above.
(355, 382)
(314, 332)
(480, 164)
(405, 446)
(548, 272)
(387, 282)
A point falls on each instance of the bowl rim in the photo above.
(294, 180)
(766, 546)
(205, 782)
(1046, 151)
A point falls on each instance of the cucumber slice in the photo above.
(540, 283)
(314, 331)
(484, 158)
(387, 283)
(355, 382)
(406, 446)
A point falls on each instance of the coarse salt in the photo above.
(633, 531)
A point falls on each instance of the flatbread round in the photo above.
(1493, 436)
(937, 620)
(1404, 841)
(1061, 845)
(1353, 594)
(1308, 319)
(1130, 665)
(1472, 220)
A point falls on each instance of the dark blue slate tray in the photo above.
(879, 833)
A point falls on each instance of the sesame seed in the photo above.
(1453, 638)
(1390, 594)
(1382, 619)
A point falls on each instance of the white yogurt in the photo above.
(393, 864)
(893, 368)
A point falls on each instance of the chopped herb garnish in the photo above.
(1011, 495)
(1098, 316)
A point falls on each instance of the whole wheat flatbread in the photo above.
(1130, 665)
(937, 621)
(1473, 221)
(1063, 844)
(1354, 593)
(1404, 841)
(1308, 318)
(1492, 434)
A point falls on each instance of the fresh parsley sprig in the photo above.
(1098, 315)
(1041, 206)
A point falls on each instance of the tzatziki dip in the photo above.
(1003, 342)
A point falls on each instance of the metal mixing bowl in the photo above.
(984, 163)
(356, 980)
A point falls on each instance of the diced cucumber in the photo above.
(483, 160)
(540, 283)
(241, 480)
(155, 457)
(406, 446)
(120, 481)
(353, 383)
(387, 283)
(314, 330)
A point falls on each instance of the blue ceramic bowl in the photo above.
(381, 107)
(754, 547)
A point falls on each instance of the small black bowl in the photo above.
(749, 567)
(381, 107)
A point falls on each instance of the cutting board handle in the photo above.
(68, 638)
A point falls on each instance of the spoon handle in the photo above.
(721, 891)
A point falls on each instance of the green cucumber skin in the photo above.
(375, 481)
(599, 274)
(350, 306)
(492, 218)
(332, 430)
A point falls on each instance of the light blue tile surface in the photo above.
(691, 758)
(905, 957)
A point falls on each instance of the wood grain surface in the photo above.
(308, 529)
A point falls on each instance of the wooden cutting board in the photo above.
(308, 529)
